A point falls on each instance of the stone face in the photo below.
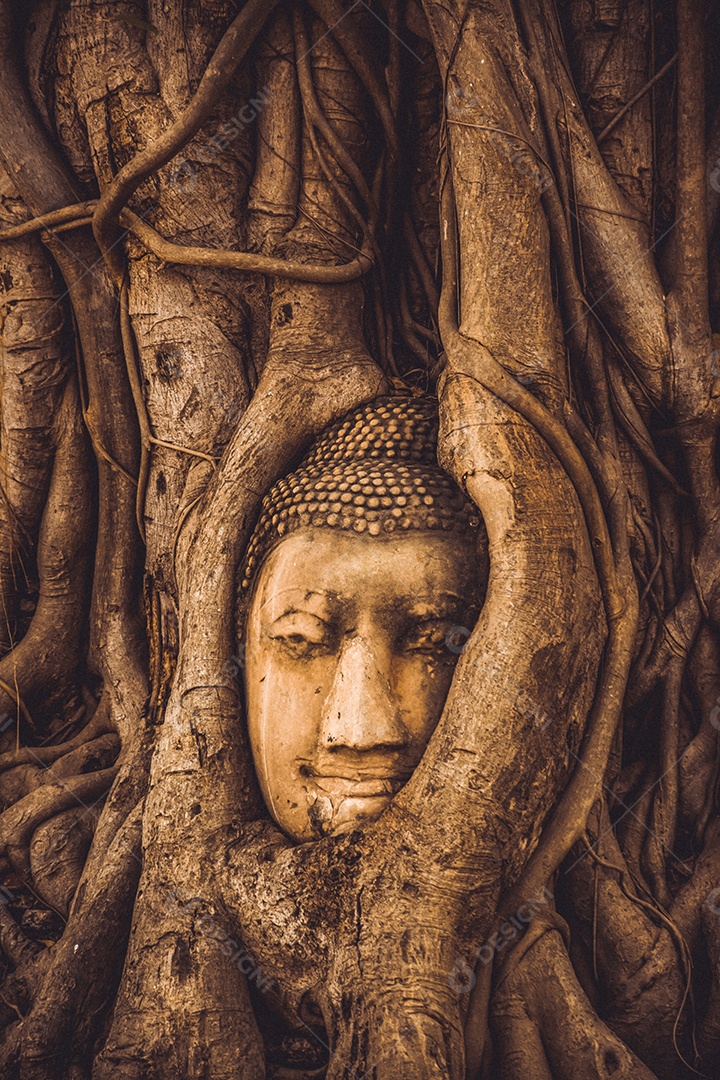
(349, 657)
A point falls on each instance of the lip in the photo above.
(369, 787)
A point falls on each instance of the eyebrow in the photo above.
(435, 601)
(300, 604)
(435, 605)
(296, 611)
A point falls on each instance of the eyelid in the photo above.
(422, 617)
(298, 622)
(428, 627)
(435, 618)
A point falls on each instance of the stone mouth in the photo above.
(368, 787)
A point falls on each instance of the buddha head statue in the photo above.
(365, 571)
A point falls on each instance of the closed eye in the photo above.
(301, 634)
(428, 636)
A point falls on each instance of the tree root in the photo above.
(58, 851)
(35, 367)
(76, 991)
(46, 755)
(49, 653)
(248, 261)
(709, 1029)
(225, 61)
(19, 822)
(641, 958)
(95, 754)
(44, 183)
(540, 1005)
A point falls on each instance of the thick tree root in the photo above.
(539, 1005)
(35, 367)
(80, 972)
(642, 961)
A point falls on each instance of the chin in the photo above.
(335, 815)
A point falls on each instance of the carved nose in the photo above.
(359, 711)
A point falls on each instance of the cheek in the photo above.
(284, 700)
(420, 689)
(284, 713)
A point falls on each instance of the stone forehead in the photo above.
(373, 472)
